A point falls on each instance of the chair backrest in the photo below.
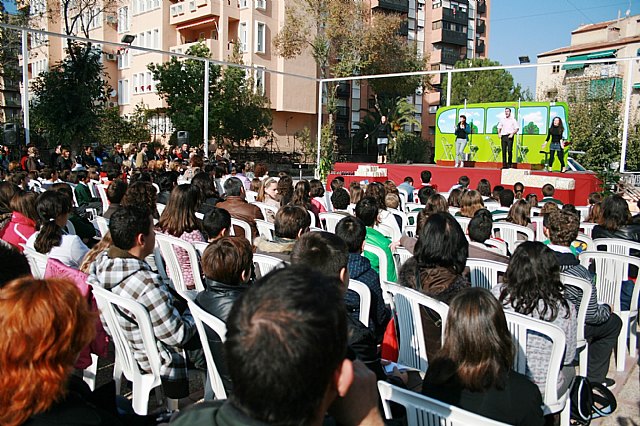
(615, 245)
(611, 269)
(266, 263)
(313, 218)
(103, 225)
(535, 211)
(587, 227)
(264, 208)
(584, 212)
(407, 304)
(521, 326)
(403, 255)
(102, 192)
(382, 260)
(385, 230)
(364, 293)
(509, 232)
(491, 205)
(157, 188)
(403, 217)
(200, 247)
(242, 224)
(266, 229)
(409, 207)
(160, 207)
(485, 273)
(250, 196)
(584, 238)
(424, 411)
(453, 210)
(203, 318)
(37, 261)
(464, 222)
(331, 220)
(167, 245)
(585, 289)
(411, 230)
(537, 221)
(497, 244)
(499, 216)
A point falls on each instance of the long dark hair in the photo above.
(477, 346)
(557, 130)
(442, 243)
(533, 276)
(50, 205)
(7, 191)
(301, 195)
(615, 212)
(285, 189)
(180, 214)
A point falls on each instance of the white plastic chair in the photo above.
(509, 232)
(453, 210)
(364, 293)
(331, 220)
(611, 269)
(424, 411)
(584, 212)
(535, 211)
(103, 225)
(411, 230)
(582, 344)
(499, 216)
(403, 217)
(464, 222)
(265, 263)
(313, 218)
(403, 255)
(485, 273)
(407, 304)
(587, 227)
(500, 245)
(200, 247)
(520, 327)
(160, 207)
(167, 245)
(409, 207)
(615, 245)
(382, 260)
(143, 382)
(265, 209)
(241, 224)
(37, 262)
(102, 192)
(250, 196)
(385, 230)
(266, 229)
(214, 385)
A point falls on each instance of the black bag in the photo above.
(590, 401)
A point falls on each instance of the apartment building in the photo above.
(173, 26)
(572, 81)
(10, 73)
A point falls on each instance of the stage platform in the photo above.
(445, 177)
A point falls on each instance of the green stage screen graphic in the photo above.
(534, 119)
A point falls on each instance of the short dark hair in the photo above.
(215, 220)
(13, 264)
(167, 181)
(464, 181)
(225, 260)
(442, 243)
(563, 227)
(274, 332)
(408, 179)
(548, 190)
(480, 226)
(425, 176)
(367, 210)
(484, 188)
(506, 197)
(340, 198)
(336, 183)
(233, 187)
(290, 220)
(127, 223)
(322, 252)
(116, 191)
(424, 193)
(353, 232)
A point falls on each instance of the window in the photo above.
(261, 4)
(260, 37)
(242, 36)
(142, 6)
(124, 59)
(156, 39)
(123, 92)
(436, 25)
(260, 84)
(38, 39)
(38, 6)
(555, 69)
(192, 5)
(123, 19)
(244, 4)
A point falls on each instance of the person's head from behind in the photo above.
(545, 210)
(495, 194)
(167, 181)
(290, 330)
(7, 191)
(615, 212)
(454, 197)
(367, 211)
(425, 176)
(180, 214)
(376, 191)
(470, 203)
(518, 189)
(37, 355)
(205, 184)
(353, 232)
(228, 260)
(408, 180)
(340, 199)
(291, 222)
(484, 188)
(116, 191)
(480, 226)
(477, 345)
(25, 203)
(571, 209)
(53, 210)
(392, 201)
(464, 181)
(563, 227)
(442, 244)
(532, 199)
(519, 213)
(324, 253)
(356, 193)
(141, 194)
(337, 182)
(506, 198)
(216, 223)
(548, 190)
(594, 197)
(316, 188)
(234, 187)
(131, 229)
(301, 193)
(595, 213)
(436, 203)
(13, 264)
(424, 193)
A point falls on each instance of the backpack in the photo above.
(590, 401)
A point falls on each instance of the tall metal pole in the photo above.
(317, 173)
(25, 84)
(448, 88)
(627, 110)
(206, 109)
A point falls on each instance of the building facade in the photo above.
(10, 73)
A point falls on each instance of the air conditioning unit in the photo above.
(112, 20)
(419, 91)
(111, 57)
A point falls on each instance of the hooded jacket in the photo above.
(125, 275)
(280, 247)
(18, 230)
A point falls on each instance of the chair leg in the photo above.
(89, 373)
(565, 414)
(633, 336)
(621, 349)
(584, 361)
(140, 391)
(117, 377)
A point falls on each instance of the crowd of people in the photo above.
(296, 351)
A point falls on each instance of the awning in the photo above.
(593, 55)
(636, 85)
(196, 24)
(603, 54)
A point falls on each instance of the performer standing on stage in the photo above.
(507, 129)
(383, 132)
(462, 138)
(557, 143)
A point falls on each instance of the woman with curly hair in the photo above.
(531, 286)
(142, 194)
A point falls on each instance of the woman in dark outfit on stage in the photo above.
(557, 145)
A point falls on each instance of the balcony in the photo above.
(193, 10)
(343, 90)
(480, 46)
(482, 7)
(444, 57)
(342, 113)
(449, 36)
(432, 98)
(212, 44)
(481, 27)
(450, 15)
(401, 6)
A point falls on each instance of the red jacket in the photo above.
(18, 230)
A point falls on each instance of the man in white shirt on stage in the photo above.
(507, 129)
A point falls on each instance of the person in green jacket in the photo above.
(367, 211)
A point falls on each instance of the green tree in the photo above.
(531, 129)
(115, 128)
(483, 86)
(236, 112)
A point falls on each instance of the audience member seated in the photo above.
(484, 188)
(83, 193)
(425, 177)
(531, 286)
(367, 212)
(238, 207)
(115, 193)
(227, 264)
(216, 224)
(463, 183)
(13, 264)
(340, 201)
(473, 370)
(23, 220)
(7, 191)
(518, 190)
(53, 209)
(407, 187)
(547, 193)
(285, 189)
(454, 197)
(602, 327)
(122, 270)
(532, 199)
(141, 194)
(436, 270)
(495, 193)
(274, 332)
(268, 194)
(316, 193)
(424, 193)
(208, 194)
(505, 197)
(290, 223)
(376, 191)
(77, 216)
(166, 183)
(470, 203)
(519, 214)
(353, 232)
(479, 231)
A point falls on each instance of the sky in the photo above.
(10, 5)
(528, 28)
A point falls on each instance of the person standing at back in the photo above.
(463, 129)
(507, 129)
(383, 132)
